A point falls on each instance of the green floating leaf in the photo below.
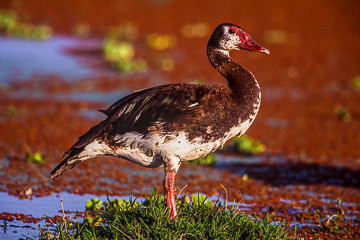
(209, 159)
(121, 54)
(29, 31)
(34, 157)
(138, 65)
(342, 113)
(248, 145)
(356, 83)
(8, 19)
(118, 51)
(8, 22)
(11, 111)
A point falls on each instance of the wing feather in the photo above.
(143, 109)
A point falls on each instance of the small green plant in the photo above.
(120, 204)
(334, 223)
(93, 204)
(8, 19)
(356, 83)
(37, 157)
(199, 199)
(209, 159)
(12, 27)
(120, 54)
(342, 113)
(248, 145)
(29, 31)
(161, 42)
(150, 220)
(11, 111)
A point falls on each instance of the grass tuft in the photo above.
(150, 220)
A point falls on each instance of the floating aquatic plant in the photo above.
(11, 111)
(356, 83)
(120, 54)
(161, 42)
(8, 19)
(12, 27)
(342, 113)
(209, 159)
(37, 157)
(119, 50)
(246, 144)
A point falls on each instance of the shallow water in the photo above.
(39, 207)
(21, 59)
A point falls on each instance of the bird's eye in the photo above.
(231, 31)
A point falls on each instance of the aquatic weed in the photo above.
(209, 159)
(248, 145)
(37, 157)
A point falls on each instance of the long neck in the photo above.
(240, 80)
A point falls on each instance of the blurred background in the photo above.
(60, 61)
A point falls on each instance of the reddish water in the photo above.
(313, 156)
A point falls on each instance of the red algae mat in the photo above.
(309, 119)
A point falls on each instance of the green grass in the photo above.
(150, 220)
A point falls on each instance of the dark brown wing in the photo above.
(157, 105)
(139, 110)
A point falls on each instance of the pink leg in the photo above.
(169, 190)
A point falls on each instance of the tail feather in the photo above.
(71, 157)
(63, 166)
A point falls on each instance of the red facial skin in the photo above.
(247, 42)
